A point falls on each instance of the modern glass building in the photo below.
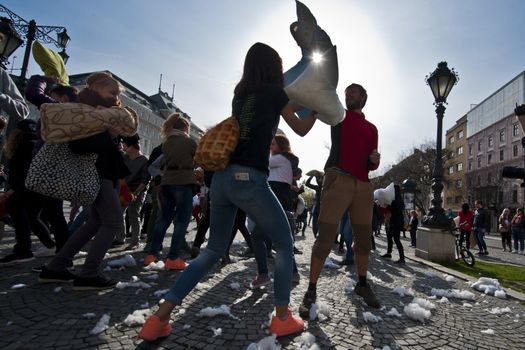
(493, 142)
(497, 106)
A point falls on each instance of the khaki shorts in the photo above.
(344, 192)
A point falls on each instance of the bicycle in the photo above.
(461, 250)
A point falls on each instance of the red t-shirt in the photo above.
(465, 220)
(358, 140)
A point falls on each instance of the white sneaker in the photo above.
(44, 252)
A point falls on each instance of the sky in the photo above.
(389, 47)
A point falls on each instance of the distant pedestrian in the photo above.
(345, 230)
(377, 220)
(518, 231)
(481, 223)
(314, 216)
(504, 229)
(397, 222)
(413, 223)
(466, 218)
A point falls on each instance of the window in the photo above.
(458, 200)
(490, 142)
(489, 159)
(489, 178)
(470, 165)
(451, 140)
(515, 150)
(514, 196)
(479, 180)
(459, 167)
(460, 134)
(470, 149)
(479, 146)
(515, 130)
(451, 155)
(479, 162)
(502, 135)
(501, 155)
(451, 170)
(459, 183)
(449, 200)
(459, 151)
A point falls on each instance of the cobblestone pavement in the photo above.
(43, 317)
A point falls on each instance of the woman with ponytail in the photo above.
(258, 102)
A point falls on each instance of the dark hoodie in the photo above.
(21, 159)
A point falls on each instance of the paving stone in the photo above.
(43, 319)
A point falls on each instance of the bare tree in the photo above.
(417, 164)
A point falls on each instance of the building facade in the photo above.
(493, 142)
(455, 166)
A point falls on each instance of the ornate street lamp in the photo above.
(9, 40)
(63, 39)
(441, 82)
(32, 31)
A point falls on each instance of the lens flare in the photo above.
(317, 57)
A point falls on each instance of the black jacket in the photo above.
(110, 164)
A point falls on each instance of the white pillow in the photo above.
(315, 88)
(385, 196)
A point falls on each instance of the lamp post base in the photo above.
(436, 218)
(435, 244)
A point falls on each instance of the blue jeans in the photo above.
(246, 188)
(177, 204)
(480, 238)
(346, 232)
(518, 235)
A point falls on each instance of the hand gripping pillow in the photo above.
(50, 62)
(217, 144)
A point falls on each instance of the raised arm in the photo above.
(300, 126)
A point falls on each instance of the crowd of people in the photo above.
(258, 193)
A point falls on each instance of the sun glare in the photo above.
(317, 57)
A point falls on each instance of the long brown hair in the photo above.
(283, 143)
(262, 66)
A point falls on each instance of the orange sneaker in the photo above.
(290, 325)
(177, 264)
(154, 328)
(150, 259)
